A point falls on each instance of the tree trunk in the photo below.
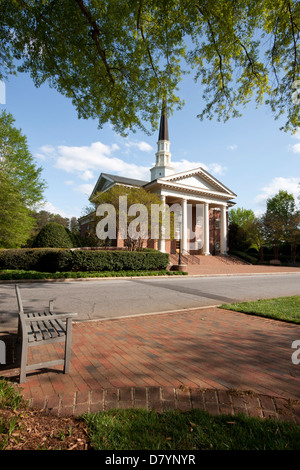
(261, 254)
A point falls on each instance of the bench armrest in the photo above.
(57, 316)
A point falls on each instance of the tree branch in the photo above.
(215, 46)
(140, 28)
(95, 36)
(293, 34)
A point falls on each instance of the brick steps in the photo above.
(207, 260)
(213, 401)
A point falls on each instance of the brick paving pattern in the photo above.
(213, 359)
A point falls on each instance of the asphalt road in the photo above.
(99, 299)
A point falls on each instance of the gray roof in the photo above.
(123, 180)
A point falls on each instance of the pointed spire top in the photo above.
(163, 129)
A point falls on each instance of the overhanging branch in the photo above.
(95, 36)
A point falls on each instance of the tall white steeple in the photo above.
(163, 156)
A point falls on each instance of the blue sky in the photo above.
(250, 155)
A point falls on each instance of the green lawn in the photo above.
(281, 308)
(194, 430)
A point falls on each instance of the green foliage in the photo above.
(62, 260)
(240, 216)
(43, 217)
(14, 275)
(134, 196)
(279, 225)
(116, 59)
(281, 220)
(280, 308)
(138, 429)
(244, 256)
(10, 397)
(238, 238)
(21, 186)
(52, 235)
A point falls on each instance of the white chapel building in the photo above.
(204, 201)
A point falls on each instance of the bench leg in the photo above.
(23, 362)
(68, 346)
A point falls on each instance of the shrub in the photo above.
(244, 256)
(52, 235)
(52, 260)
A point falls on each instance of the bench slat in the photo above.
(43, 328)
(50, 328)
(39, 329)
(32, 330)
(59, 326)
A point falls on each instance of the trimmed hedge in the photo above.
(12, 275)
(62, 260)
(244, 256)
(52, 235)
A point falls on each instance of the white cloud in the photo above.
(49, 207)
(291, 185)
(232, 147)
(216, 169)
(87, 162)
(87, 175)
(296, 148)
(98, 157)
(142, 146)
(46, 151)
(185, 165)
(85, 189)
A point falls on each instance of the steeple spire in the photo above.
(163, 129)
(163, 156)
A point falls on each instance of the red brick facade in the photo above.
(89, 227)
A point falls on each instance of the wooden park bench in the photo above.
(43, 328)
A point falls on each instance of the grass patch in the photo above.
(194, 430)
(281, 308)
(15, 275)
(10, 400)
(9, 397)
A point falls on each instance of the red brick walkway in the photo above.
(218, 360)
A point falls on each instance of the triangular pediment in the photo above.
(196, 182)
(106, 181)
(102, 184)
(197, 179)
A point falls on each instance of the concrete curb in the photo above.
(186, 276)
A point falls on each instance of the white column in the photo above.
(184, 225)
(223, 234)
(206, 229)
(161, 241)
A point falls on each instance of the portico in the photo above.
(195, 196)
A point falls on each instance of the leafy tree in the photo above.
(134, 227)
(21, 186)
(238, 238)
(281, 220)
(52, 235)
(241, 216)
(116, 59)
(240, 220)
(74, 225)
(246, 231)
(256, 235)
(43, 217)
